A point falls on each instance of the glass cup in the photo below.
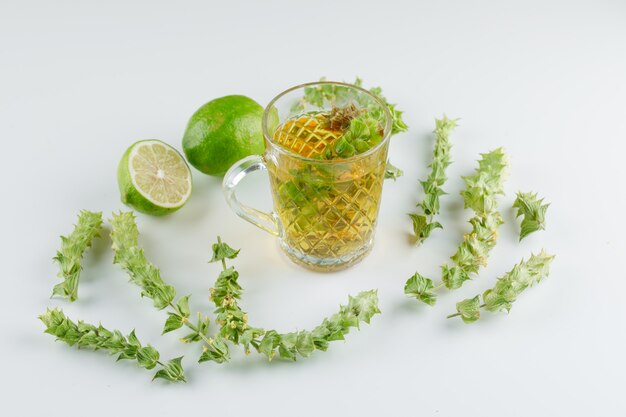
(325, 210)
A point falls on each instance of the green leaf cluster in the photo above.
(480, 195)
(473, 252)
(531, 207)
(428, 208)
(129, 347)
(360, 309)
(366, 131)
(71, 252)
(318, 94)
(306, 187)
(234, 327)
(508, 287)
(487, 183)
(398, 124)
(232, 320)
(363, 133)
(128, 254)
(511, 285)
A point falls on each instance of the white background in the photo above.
(81, 80)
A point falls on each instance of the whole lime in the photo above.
(222, 132)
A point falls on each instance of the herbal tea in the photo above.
(326, 155)
(328, 210)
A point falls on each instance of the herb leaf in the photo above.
(71, 252)
(173, 322)
(418, 286)
(223, 251)
(469, 309)
(533, 211)
(453, 277)
(392, 172)
(172, 371)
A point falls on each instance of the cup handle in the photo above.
(266, 221)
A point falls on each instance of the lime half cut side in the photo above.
(154, 178)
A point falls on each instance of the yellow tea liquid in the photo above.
(328, 209)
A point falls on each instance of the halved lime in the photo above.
(153, 178)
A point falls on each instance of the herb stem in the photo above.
(219, 241)
(458, 314)
(190, 325)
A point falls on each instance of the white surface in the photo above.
(80, 81)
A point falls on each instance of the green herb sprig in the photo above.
(368, 125)
(428, 208)
(316, 95)
(234, 325)
(70, 254)
(360, 309)
(87, 335)
(231, 319)
(398, 123)
(508, 287)
(363, 133)
(128, 254)
(480, 194)
(533, 211)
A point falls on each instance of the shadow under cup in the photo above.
(325, 210)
